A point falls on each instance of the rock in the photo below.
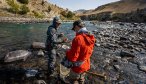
(111, 45)
(117, 67)
(40, 82)
(107, 60)
(130, 46)
(97, 44)
(143, 41)
(123, 38)
(95, 31)
(38, 45)
(65, 47)
(40, 53)
(17, 55)
(121, 24)
(121, 43)
(31, 73)
(106, 35)
(142, 68)
(124, 60)
(126, 54)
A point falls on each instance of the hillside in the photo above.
(123, 6)
(124, 10)
(80, 11)
(32, 9)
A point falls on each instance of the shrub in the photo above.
(14, 7)
(23, 1)
(49, 9)
(24, 9)
(64, 13)
(70, 14)
(37, 15)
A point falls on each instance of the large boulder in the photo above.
(17, 55)
(38, 45)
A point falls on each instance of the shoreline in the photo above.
(23, 20)
(46, 20)
(27, 20)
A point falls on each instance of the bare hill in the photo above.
(123, 6)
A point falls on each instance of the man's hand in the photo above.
(59, 46)
(65, 40)
(61, 35)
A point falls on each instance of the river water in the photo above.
(20, 36)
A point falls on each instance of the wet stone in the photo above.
(123, 38)
(143, 41)
(126, 54)
(40, 53)
(142, 68)
(97, 44)
(117, 67)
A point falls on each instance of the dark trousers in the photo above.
(76, 78)
(51, 60)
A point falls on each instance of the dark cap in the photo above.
(77, 23)
(56, 20)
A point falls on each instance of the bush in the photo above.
(63, 13)
(23, 1)
(70, 14)
(24, 9)
(37, 15)
(49, 9)
(14, 7)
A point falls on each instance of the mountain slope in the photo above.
(123, 6)
(33, 9)
(123, 11)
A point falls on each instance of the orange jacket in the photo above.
(81, 50)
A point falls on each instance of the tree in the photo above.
(63, 13)
(70, 14)
(23, 1)
(49, 9)
(14, 7)
(24, 9)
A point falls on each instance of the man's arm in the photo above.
(52, 34)
(74, 52)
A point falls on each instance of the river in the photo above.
(20, 36)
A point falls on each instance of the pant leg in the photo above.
(76, 78)
(82, 78)
(51, 60)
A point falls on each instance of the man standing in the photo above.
(80, 53)
(52, 43)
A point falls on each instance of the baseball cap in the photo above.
(77, 23)
(56, 20)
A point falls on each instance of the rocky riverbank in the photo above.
(23, 20)
(119, 53)
(27, 20)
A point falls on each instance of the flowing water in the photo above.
(20, 36)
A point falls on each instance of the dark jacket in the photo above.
(52, 38)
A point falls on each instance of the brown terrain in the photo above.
(123, 6)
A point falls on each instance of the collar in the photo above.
(83, 30)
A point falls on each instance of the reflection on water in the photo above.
(20, 36)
